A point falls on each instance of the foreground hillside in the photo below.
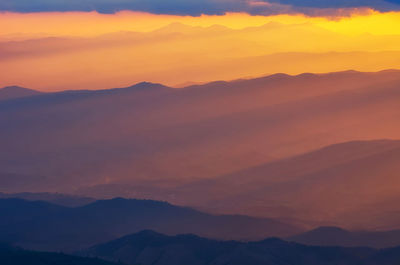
(150, 248)
(137, 215)
(45, 226)
(15, 256)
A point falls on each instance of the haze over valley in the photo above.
(199, 132)
(266, 140)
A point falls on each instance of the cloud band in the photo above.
(194, 7)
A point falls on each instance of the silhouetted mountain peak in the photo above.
(146, 85)
(144, 235)
(175, 27)
(11, 92)
(120, 202)
(13, 88)
(331, 229)
(276, 76)
(273, 241)
(142, 86)
(147, 233)
(390, 71)
(328, 231)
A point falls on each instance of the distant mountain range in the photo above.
(231, 53)
(351, 184)
(302, 148)
(335, 236)
(44, 226)
(150, 248)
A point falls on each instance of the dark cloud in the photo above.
(191, 7)
(395, 1)
(382, 5)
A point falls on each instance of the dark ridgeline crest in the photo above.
(12, 92)
(336, 236)
(45, 226)
(10, 255)
(55, 198)
(151, 248)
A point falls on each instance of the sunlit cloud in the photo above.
(196, 7)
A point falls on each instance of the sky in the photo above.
(192, 7)
(53, 45)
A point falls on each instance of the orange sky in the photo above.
(78, 50)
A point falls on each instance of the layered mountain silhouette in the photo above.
(352, 184)
(148, 247)
(229, 147)
(335, 236)
(231, 54)
(55, 198)
(12, 92)
(44, 226)
(15, 256)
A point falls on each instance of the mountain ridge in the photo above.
(13, 92)
(148, 247)
(335, 236)
(284, 179)
(45, 226)
(148, 145)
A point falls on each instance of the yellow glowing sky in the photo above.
(78, 50)
(88, 24)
